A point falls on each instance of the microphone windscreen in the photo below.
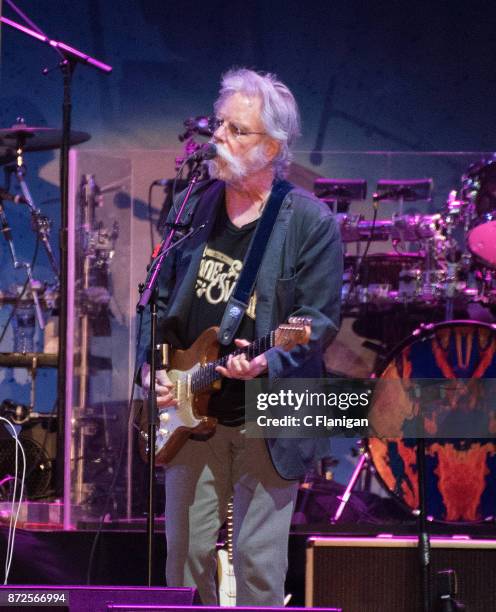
(209, 151)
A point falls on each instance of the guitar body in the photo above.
(190, 416)
(193, 374)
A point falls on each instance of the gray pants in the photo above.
(199, 483)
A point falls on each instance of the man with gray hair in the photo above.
(256, 121)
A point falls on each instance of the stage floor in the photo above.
(45, 555)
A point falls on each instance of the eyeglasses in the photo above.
(232, 129)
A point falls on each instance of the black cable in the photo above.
(356, 275)
(150, 210)
(118, 465)
(150, 222)
(25, 286)
(179, 174)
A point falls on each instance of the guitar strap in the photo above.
(240, 297)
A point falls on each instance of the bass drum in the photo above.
(460, 474)
(479, 188)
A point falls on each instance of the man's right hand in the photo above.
(163, 386)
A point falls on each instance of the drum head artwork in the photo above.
(460, 473)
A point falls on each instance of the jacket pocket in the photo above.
(285, 296)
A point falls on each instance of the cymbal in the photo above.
(34, 138)
(27, 360)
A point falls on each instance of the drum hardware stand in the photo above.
(451, 273)
(363, 462)
(39, 223)
(97, 248)
(359, 255)
(20, 414)
(451, 278)
(79, 451)
(6, 231)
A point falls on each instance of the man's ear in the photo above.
(272, 148)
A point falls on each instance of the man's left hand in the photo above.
(238, 366)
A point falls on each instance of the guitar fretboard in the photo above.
(205, 375)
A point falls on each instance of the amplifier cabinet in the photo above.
(382, 574)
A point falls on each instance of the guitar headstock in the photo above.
(296, 331)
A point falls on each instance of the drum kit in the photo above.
(429, 265)
(440, 262)
(440, 265)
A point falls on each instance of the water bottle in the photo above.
(24, 323)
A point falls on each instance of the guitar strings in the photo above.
(205, 375)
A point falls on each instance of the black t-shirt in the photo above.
(219, 270)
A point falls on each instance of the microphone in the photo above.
(199, 125)
(17, 199)
(207, 151)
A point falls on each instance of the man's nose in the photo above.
(220, 134)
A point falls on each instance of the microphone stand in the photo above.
(424, 548)
(148, 297)
(70, 57)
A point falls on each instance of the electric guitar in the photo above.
(194, 377)
(225, 569)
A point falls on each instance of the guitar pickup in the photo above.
(162, 356)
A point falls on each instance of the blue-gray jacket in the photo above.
(300, 275)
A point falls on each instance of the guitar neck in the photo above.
(206, 374)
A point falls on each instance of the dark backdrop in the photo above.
(368, 75)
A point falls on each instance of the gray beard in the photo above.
(236, 170)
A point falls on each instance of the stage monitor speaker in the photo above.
(382, 574)
(97, 598)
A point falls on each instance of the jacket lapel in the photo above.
(189, 258)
